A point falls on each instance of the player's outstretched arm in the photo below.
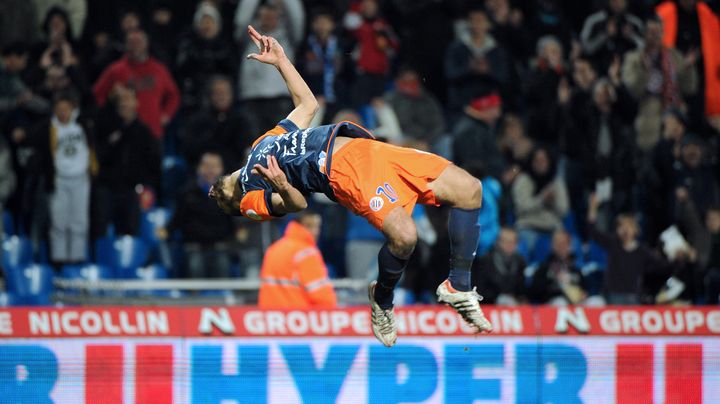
(286, 198)
(273, 54)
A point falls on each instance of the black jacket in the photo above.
(198, 217)
(495, 274)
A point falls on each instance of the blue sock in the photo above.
(464, 231)
(390, 270)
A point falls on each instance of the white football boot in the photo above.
(383, 320)
(465, 303)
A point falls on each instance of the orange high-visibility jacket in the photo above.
(293, 273)
(710, 38)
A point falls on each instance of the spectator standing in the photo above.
(474, 63)
(206, 232)
(474, 134)
(545, 86)
(76, 11)
(693, 28)
(129, 156)
(66, 160)
(628, 261)
(321, 62)
(293, 273)
(264, 97)
(15, 96)
(500, 273)
(202, 54)
(7, 180)
(711, 280)
(219, 125)
(376, 45)
(419, 112)
(540, 197)
(658, 78)
(610, 33)
(156, 91)
(558, 280)
(696, 175)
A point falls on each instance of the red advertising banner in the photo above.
(351, 322)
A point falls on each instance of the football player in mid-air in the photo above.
(375, 180)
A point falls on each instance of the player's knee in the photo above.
(476, 193)
(402, 243)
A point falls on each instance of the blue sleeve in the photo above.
(288, 125)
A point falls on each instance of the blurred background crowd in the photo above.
(593, 126)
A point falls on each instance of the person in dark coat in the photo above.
(206, 232)
(202, 54)
(500, 273)
(129, 156)
(558, 280)
(474, 134)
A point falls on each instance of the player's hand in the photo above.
(272, 174)
(270, 50)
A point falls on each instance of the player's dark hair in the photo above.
(230, 204)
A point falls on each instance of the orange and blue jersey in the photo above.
(303, 154)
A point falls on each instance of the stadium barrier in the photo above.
(210, 354)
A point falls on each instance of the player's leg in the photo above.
(463, 192)
(401, 235)
(399, 229)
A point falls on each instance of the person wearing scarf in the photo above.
(540, 198)
(659, 78)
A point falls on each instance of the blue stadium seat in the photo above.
(17, 251)
(123, 254)
(151, 272)
(30, 284)
(8, 224)
(542, 248)
(88, 272)
(174, 175)
(151, 221)
(597, 254)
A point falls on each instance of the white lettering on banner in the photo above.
(652, 322)
(339, 320)
(656, 321)
(447, 322)
(426, 326)
(67, 326)
(693, 319)
(361, 322)
(5, 323)
(577, 319)
(609, 321)
(506, 321)
(297, 322)
(90, 322)
(253, 322)
(319, 322)
(713, 321)
(275, 323)
(631, 321)
(109, 326)
(221, 320)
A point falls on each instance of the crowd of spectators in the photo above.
(593, 126)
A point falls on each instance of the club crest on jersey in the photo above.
(321, 159)
(252, 215)
(376, 203)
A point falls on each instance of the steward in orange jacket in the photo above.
(293, 273)
(710, 39)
